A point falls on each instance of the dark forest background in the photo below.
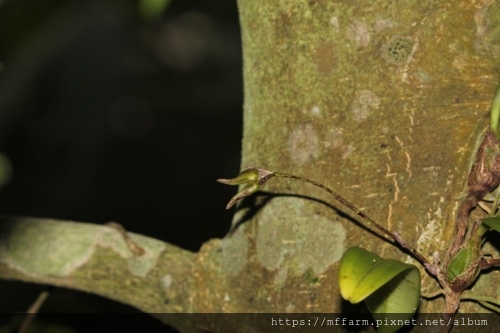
(107, 114)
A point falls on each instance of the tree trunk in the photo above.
(382, 101)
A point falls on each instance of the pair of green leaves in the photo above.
(388, 286)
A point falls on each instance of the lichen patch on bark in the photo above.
(294, 238)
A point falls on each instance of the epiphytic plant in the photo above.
(390, 286)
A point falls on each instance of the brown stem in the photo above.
(395, 236)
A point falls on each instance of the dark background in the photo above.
(108, 116)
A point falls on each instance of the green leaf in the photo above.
(354, 265)
(398, 299)
(492, 222)
(464, 263)
(495, 113)
(387, 286)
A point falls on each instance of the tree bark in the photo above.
(382, 101)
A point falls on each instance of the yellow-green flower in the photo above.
(254, 178)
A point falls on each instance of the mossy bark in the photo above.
(383, 101)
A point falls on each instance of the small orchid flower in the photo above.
(254, 178)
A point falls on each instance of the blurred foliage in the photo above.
(101, 105)
(97, 101)
(21, 18)
(152, 9)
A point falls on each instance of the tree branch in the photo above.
(97, 259)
